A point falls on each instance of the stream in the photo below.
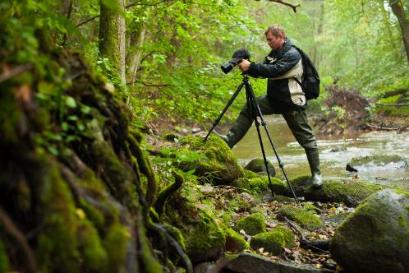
(379, 157)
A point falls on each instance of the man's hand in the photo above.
(244, 65)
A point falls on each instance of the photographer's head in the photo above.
(275, 36)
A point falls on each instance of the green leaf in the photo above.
(70, 102)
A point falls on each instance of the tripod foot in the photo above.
(316, 180)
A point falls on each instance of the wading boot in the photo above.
(314, 162)
(237, 131)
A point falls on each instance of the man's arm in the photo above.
(288, 61)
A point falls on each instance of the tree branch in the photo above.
(294, 7)
(126, 7)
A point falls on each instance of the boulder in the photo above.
(251, 263)
(252, 224)
(304, 217)
(375, 238)
(351, 193)
(214, 161)
(274, 241)
(257, 165)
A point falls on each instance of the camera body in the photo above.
(237, 57)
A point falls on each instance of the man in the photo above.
(284, 96)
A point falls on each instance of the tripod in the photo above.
(258, 120)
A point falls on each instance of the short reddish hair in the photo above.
(276, 30)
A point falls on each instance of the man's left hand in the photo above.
(244, 65)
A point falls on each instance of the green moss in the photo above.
(376, 159)
(258, 184)
(57, 244)
(219, 166)
(204, 238)
(274, 241)
(116, 244)
(351, 193)
(305, 218)
(235, 241)
(176, 234)
(252, 224)
(93, 253)
(150, 263)
(4, 261)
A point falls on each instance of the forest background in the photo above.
(164, 57)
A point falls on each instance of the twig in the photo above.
(314, 245)
(294, 7)
(14, 72)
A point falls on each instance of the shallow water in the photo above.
(386, 162)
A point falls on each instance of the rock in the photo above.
(214, 163)
(256, 184)
(350, 193)
(251, 263)
(305, 218)
(273, 241)
(252, 224)
(205, 240)
(235, 241)
(375, 238)
(257, 165)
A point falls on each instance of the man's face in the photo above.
(273, 41)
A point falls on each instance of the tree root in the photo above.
(164, 195)
(11, 229)
(145, 168)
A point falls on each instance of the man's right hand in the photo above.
(244, 65)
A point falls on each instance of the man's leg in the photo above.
(298, 123)
(244, 121)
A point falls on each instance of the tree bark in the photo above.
(137, 40)
(112, 36)
(399, 11)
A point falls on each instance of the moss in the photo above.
(93, 253)
(305, 218)
(4, 261)
(376, 159)
(115, 174)
(57, 244)
(252, 224)
(351, 193)
(235, 241)
(258, 184)
(204, 238)
(150, 264)
(274, 241)
(116, 244)
(219, 166)
(176, 234)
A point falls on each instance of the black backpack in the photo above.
(311, 80)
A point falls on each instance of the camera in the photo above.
(237, 57)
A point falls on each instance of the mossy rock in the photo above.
(305, 218)
(377, 159)
(235, 241)
(253, 224)
(218, 166)
(205, 239)
(375, 238)
(257, 165)
(350, 193)
(259, 184)
(274, 241)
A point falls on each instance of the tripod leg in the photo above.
(230, 102)
(257, 113)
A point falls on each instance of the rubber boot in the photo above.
(314, 162)
(238, 130)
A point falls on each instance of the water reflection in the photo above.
(389, 151)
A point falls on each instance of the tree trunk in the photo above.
(112, 36)
(137, 40)
(398, 10)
